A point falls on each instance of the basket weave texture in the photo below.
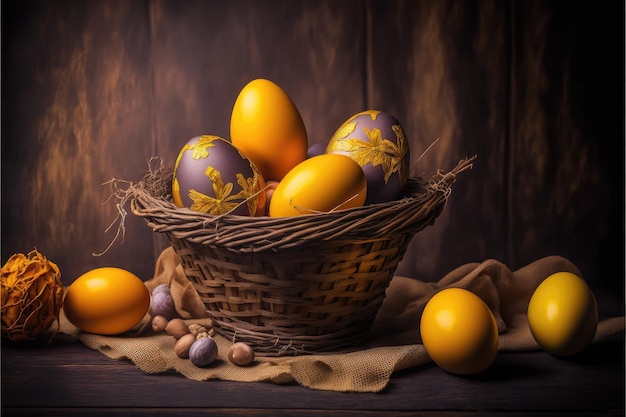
(294, 285)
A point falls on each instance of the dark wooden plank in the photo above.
(567, 138)
(442, 68)
(192, 412)
(76, 112)
(66, 374)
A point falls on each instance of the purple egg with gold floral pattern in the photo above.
(376, 141)
(212, 176)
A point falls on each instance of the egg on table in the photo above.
(213, 176)
(376, 141)
(106, 301)
(267, 127)
(459, 331)
(320, 184)
(563, 314)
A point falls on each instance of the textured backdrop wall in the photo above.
(92, 89)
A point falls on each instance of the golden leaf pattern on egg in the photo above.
(176, 192)
(372, 113)
(403, 146)
(200, 150)
(223, 202)
(350, 126)
(250, 186)
(343, 132)
(378, 151)
(219, 204)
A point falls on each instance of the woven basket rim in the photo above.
(425, 198)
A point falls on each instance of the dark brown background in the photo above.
(92, 89)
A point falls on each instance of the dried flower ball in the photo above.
(32, 296)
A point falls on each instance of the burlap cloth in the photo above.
(395, 342)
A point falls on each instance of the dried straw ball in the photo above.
(32, 296)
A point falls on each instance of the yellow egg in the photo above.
(267, 127)
(563, 314)
(320, 184)
(459, 331)
(106, 301)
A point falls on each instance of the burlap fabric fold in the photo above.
(395, 342)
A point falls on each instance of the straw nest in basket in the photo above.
(304, 284)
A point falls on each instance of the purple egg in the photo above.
(376, 141)
(212, 176)
(316, 149)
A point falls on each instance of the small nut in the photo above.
(181, 348)
(177, 328)
(203, 352)
(208, 333)
(195, 328)
(161, 288)
(241, 354)
(159, 323)
(162, 304)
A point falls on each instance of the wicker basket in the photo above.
(304, 284)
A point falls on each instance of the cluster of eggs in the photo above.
(268, 168)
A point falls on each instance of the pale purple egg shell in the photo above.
(316, 149)
(225, 158)
(377, 190)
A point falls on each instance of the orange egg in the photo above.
(267, 127)
(459, 331)
(322, 183)
(106, 301)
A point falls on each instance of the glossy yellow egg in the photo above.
(106, 301)
(322, 183)
(563, 314)
(267, 127)
(459, 331)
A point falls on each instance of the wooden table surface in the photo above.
(68, 379)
